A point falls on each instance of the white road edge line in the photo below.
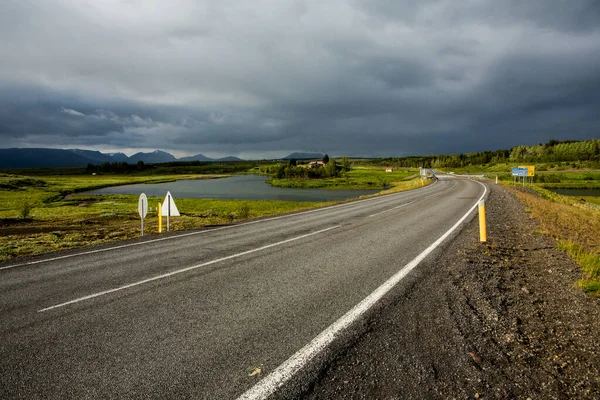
(393, 208)
(179, 271)
(199, 232)
(268, 385)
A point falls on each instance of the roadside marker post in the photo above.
(143, 208)
(159, 209)
(482, 228)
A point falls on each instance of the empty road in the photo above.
(193, 315)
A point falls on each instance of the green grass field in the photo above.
(42, 213)
(549, 176)
(359, 177)
(44, 193)
(39, 214)
(591, 199)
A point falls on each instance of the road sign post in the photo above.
(521, 172)
(143, 208)
(524, 171)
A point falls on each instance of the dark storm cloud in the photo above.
(264, 77)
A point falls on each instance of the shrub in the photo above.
(244, 211)
(25, 210)
(230, 216)
(331, 169)
(346, 165)
(280, 174)
(548, 178)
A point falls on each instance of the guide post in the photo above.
(482, 227)
(159, 209)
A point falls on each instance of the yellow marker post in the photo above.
(482, 229)
(159, 218)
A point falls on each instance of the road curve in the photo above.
(193, 316)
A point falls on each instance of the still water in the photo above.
(244, 187)
(577, 192)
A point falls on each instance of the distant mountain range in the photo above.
(48, 158)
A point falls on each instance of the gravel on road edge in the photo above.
(499, 320)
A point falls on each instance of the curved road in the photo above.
(192, 315)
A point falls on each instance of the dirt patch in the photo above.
(499, 320)
(36, 228)
(4, 222)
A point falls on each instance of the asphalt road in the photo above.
(192, 316)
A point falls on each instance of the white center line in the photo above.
(179, 271)
(384, 211)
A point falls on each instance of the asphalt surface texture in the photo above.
(497, 320)
(208, 314)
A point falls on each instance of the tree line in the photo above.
(117, 167)
(553, 151)
(329, 169)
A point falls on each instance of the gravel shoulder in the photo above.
(498, 320)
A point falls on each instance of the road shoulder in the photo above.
(496, 320)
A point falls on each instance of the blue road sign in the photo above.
(519, 171)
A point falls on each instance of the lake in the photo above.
(577, 192)
(243, 187)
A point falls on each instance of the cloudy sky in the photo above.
(263, 78)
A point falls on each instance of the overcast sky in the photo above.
(263, 78)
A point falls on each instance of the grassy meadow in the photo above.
(43, 212)
(571, 175)
(359, 177)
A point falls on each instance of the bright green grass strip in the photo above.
(49, 191)
(114, 217)
(591, 199)
(358, 178)
(590, 265)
